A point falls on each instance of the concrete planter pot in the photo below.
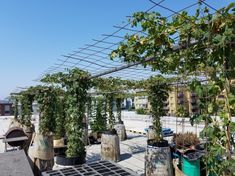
(58, 143)
(110, 147)
(121, 131)
(59, 146)
(158, 160)
(43, 147)
(42, 153)
(151, 133)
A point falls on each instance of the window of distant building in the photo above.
(7, 108)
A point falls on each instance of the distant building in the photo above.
(177, 97)
(6, 108)
(128, 103)
(141, 102)
(181, 97)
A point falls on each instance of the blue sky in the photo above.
(35, 33)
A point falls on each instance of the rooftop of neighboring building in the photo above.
(5, 102)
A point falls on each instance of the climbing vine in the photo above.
(46, 99)
(110, 105)
(76, 82)
(119, 108)
(16, 106)
(99, 120)
(60, 113)
(157, 94)
(26, 100)
(204, 47)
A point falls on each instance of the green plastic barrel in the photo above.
(191, 168)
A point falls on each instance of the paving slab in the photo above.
(15, 163)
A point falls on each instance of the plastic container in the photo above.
(191, 167)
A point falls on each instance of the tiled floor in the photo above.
(132, 153)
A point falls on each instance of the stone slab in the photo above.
(14, 163)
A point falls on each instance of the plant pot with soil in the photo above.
(119, 126)
(43, 152)
(110, 147)
(76, 83)
(158, 160)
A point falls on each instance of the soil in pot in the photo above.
(70, 161)
(152, 142)
(113, 131)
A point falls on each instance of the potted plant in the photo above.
(76, 83)
(186, 140)
(158, 156)
(41, 152)
(110, 147)
(46, 99)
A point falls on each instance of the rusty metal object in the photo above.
(15, 132)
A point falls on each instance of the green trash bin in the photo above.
(191, 163)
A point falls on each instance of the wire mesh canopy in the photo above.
(95, 57)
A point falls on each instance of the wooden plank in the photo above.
(14, 163)
(15, 139)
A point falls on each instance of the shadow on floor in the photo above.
(137, 149)
(125, 156)
(129, 137)
(93, 157)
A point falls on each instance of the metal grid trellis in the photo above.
(95, 59)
